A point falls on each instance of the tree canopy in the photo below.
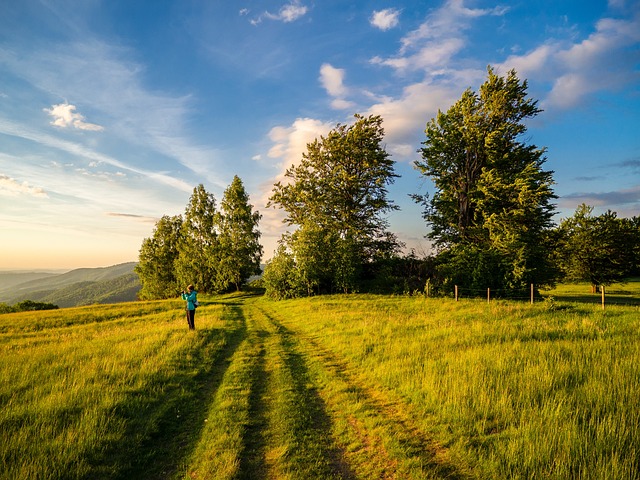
(156, 261)
(601, 249)
(213, 250)
(337, 198)
(492, 204)
(238, 238)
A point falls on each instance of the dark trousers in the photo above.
(191, 315)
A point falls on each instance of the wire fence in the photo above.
(603, 298)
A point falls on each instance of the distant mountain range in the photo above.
(83, 286)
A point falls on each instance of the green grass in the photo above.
(627, 293)
(353, 387)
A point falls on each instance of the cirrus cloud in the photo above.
(288, 13)
(13, 188)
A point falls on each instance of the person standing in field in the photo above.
(191, 296)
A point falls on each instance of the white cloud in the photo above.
(530, 64)
(332, 80)
(13, 188)
(406, 116)
(287, 13)
(292, 12)
(342, 104)
(438, 39)
(385, 19)
(288, 145)
(64, 115)
(605, 60)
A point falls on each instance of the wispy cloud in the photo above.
(81, 151)
(131, 216)
(603, 199)
(287, 13)
(602, 61)
(102, 75)
(438, 39)
(605, 61)
(64, 116)
(633, 164)
(13, 188)
(385, 19)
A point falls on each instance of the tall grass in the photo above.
(83, 389)
(511, 390)
(353, 387)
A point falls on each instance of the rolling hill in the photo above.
(83, 286)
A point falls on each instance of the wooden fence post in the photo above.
(532, 294)
(488, 295)
(456, 290)
(602, 290)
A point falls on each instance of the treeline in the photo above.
(27, 306)
(215, 250)
(490, 216)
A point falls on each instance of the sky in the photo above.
(112, 111)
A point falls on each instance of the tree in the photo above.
(601, 249)
(199, 251)
(238, 238)
(281, 277)
(492, 198)
(156, 262)
(338, 193)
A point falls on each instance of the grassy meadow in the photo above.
(353, 387)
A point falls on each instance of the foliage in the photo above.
(238, 238)
(337, 198)
(27, 306)
(157, 259)
(601, 249)
(492, 203)
(213, 250)
(198, 248)
(281, 277)
(401, 275)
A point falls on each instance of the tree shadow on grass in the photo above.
(252, 462)
(317, 456)
(166, 419)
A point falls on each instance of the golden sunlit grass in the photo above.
(357, 386)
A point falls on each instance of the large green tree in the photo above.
(492, 207)
(337, 198)
(238, 238)
(601, 249)
(199, 249)
(156, 262)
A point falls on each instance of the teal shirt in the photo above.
(191, 298)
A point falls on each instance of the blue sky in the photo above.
(111, 112)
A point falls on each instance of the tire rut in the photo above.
(293, 424)
(402, 450)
